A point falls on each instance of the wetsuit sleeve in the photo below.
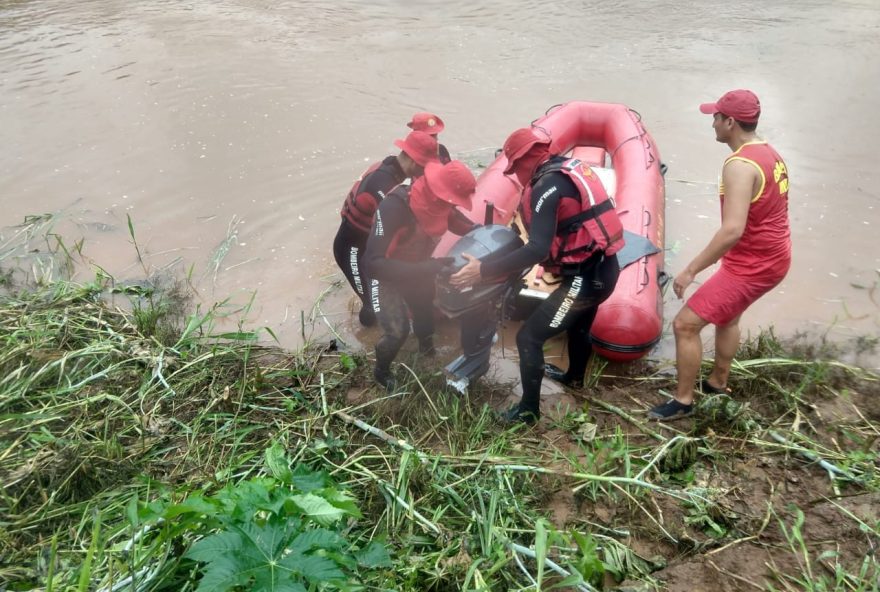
(373, 190)
(393, 221)
(459, 223)
(544, 204)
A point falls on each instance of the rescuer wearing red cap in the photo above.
(408, 225)
(574, 232)
(417, 150)
(753, 244)
(433, 125)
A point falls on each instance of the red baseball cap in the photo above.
(419, 146)
(743, 105)
(426, 122)
(518, 144)
(453, 182)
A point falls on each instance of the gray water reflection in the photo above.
(241, 124)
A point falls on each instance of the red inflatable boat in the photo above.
(611, 138)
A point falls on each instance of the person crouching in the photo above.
(408, 225)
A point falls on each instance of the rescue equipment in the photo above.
(611, 139)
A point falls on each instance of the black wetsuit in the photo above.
(351, 238)
(571, 307)
(402, 272)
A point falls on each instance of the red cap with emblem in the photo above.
(426, 122)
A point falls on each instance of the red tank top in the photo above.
(766, 241)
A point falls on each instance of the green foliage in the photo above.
(282, 533)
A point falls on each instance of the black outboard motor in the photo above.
(476, 307)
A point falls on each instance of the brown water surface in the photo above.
(230, 130)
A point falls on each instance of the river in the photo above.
(229, 131)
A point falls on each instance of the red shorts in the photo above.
(726, 295)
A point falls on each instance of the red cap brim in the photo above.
(709, 108)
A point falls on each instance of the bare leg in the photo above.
(688, 352)
(726, 344)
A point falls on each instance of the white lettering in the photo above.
(541, 199)
(355, 272)
(379, 230)
(374, 294)
(567, 302)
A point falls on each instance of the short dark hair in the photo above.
(746, 126)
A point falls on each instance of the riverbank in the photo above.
(143, 449)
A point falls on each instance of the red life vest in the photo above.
(360, 207)
(585, 224)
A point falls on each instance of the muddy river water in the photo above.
(230, 130)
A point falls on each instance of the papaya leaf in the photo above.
(316, 538)
(212, 546)
(315, 569)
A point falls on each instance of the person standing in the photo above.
(753, 244)
(574, 232)
(433, 125)
(408, 225)
(417, 150)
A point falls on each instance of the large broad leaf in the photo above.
(318, 509)
(307, 480)
(221, 576)
(247, 556)
(224, 570)
(343, 501)
(216, 545)
(373, 555)
(317, 538)
(267, 542)
(315, 569)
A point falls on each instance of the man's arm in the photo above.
(738, 179)
(541, 233)
(392, 223)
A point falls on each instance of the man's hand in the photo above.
(467, 275)
(682, 281)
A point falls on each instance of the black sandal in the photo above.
(708, 389)
(670, 410)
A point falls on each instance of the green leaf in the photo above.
(195, 504)
(131, 511)
(268, 540)
(316, 538)
(343, 501)
(307, 480)
(374, 555)
(317, 570)
(347, 362)
(278, 463)
(210, 548)
(222, 576)
(318, 509)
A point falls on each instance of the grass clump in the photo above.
(142, 449)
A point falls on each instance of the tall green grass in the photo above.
(137, 440)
